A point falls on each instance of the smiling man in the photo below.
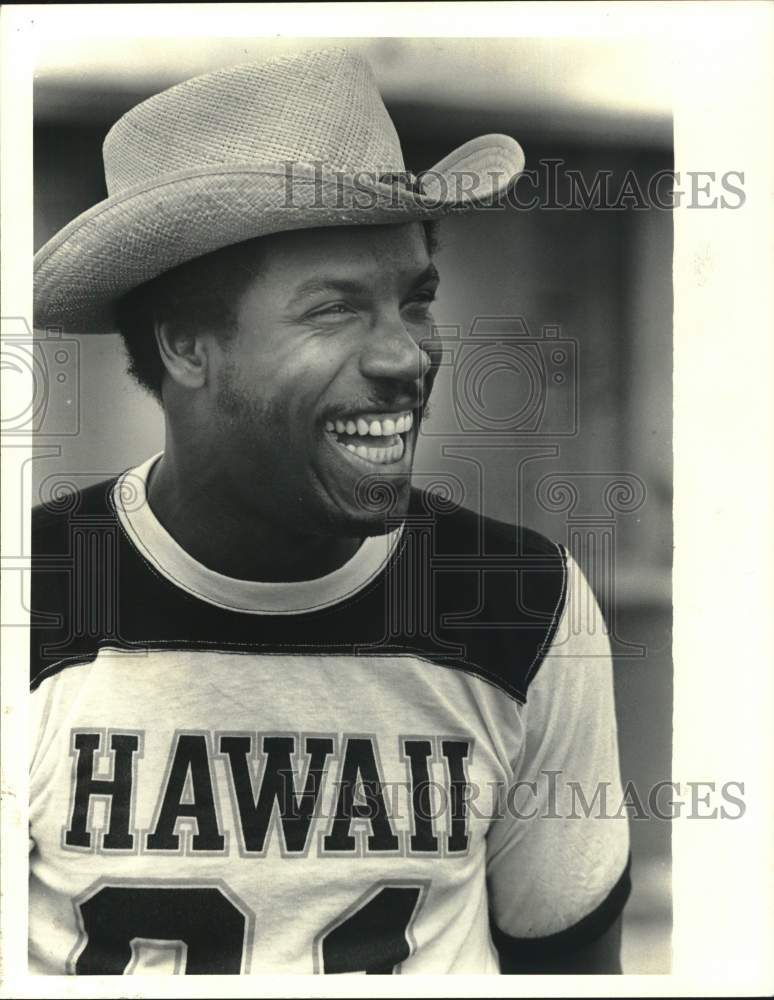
(316, 381)
(285, 717)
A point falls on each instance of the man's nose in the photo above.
(393, 352)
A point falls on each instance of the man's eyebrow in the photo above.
(352, 286)
(327, 284)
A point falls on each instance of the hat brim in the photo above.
(133, 237)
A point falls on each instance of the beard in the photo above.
(295, 501)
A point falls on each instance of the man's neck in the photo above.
(245, 549)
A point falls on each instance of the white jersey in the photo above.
(387, 769)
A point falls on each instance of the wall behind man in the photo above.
(596, 476)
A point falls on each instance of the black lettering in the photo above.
(118, 790)
(278, 785)
(191, 758)
(360, 766)
(417, 753)
(374, 938)
(455, 752)
(211, 926)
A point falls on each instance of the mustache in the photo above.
(396, 403)
(419, 407)
(395, 398)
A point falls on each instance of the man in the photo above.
(285, 718)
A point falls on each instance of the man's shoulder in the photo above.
(497, 590)
(459, 529)
(52, 519)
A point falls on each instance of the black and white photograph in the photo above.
(358, 511)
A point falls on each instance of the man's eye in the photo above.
(333, 310)
(424, 298)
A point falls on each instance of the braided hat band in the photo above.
(297, 142)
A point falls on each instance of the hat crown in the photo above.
(317, 107)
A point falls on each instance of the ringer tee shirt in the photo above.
(385, 770)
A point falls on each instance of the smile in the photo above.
(372, 438)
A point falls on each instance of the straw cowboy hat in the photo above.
(292, 143)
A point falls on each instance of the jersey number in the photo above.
(372, 937)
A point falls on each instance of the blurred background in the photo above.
(553, 407)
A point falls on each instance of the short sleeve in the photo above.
(558, 853)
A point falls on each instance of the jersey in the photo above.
(366, 772)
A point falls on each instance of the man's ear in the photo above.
(183, 353)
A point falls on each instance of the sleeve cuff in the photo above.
(586, 930)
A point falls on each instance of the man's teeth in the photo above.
(391, 447)
(366, 427)
(382, 456)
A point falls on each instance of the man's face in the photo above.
(317, 398)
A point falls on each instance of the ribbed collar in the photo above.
(161, 550)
